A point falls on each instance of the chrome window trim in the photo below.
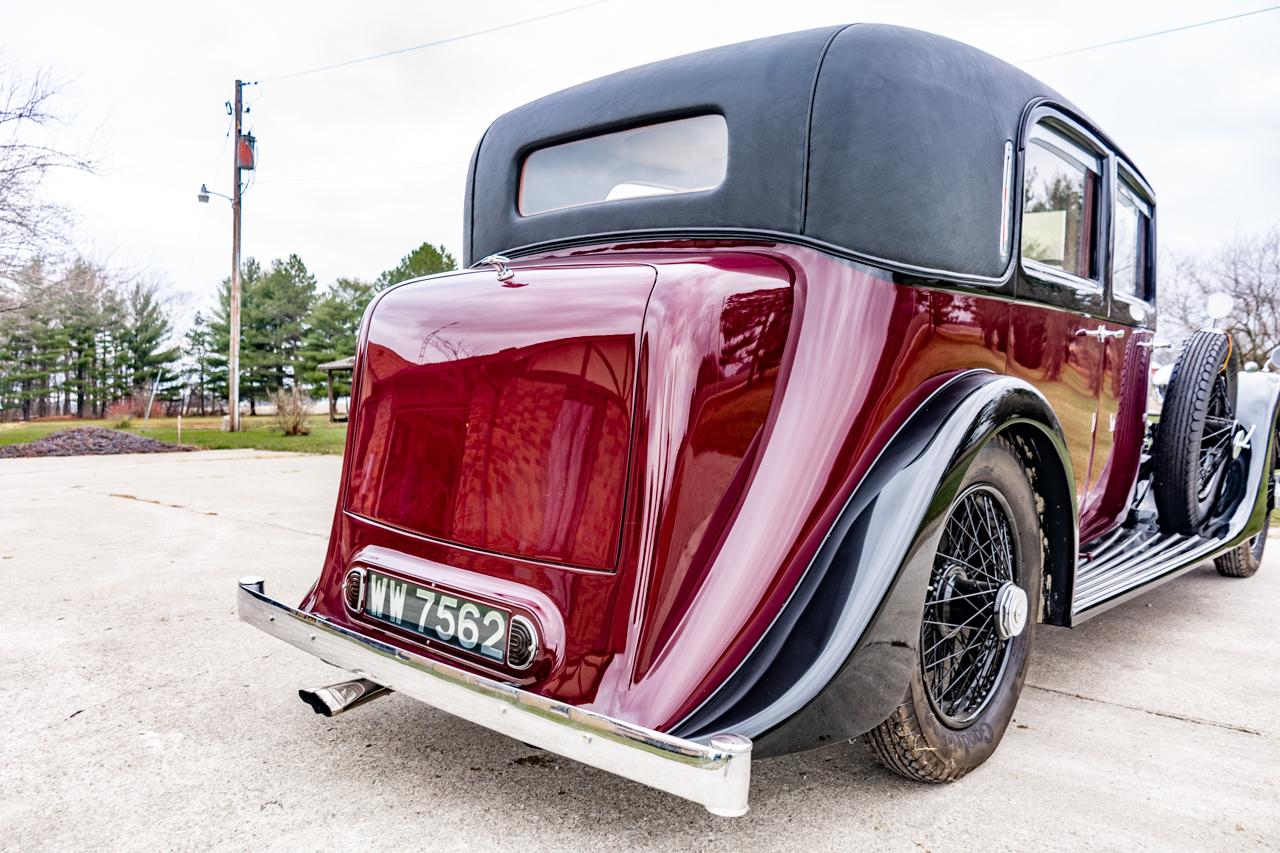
(1006, 202)
(1136, 185)
(1044, 134)
(1129, 300)
(1054, 275)
(1125, 188)
(1045, 126)
(1126, 183)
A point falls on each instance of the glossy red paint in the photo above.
(1066, 367)
(764, 380)
(1117, 446)
(497, 415)
(1098, 391)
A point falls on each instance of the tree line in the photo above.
(76, 341)
(79, 340)
(288, 328)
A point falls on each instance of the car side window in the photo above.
(1059, 207)
(1131, 257)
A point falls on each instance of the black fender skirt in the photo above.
(839, 656)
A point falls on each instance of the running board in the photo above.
(1128, 560)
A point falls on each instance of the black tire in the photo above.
(1244, 560)
(1193, 442)
(925, 739)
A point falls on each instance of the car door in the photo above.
(1060, 324)
(1128, 331)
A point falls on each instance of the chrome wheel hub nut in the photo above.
(1011, 611)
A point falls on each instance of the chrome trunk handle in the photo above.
(498, 262)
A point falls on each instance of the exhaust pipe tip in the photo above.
(334, 699)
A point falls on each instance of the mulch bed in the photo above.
(89, 441)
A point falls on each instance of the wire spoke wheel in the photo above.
(1215, 441)
(963, 649)
(981, 563)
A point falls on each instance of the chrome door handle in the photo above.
(1101, 333)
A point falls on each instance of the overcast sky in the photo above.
(359, 164)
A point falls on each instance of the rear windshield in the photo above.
(683, 156)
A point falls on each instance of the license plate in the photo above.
(430, 613)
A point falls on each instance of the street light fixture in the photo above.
(205, 192)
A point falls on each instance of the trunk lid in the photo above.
(498, 415)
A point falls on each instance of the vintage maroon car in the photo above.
(788, 383)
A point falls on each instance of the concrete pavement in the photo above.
(137, 713)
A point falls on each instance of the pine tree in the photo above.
(146, 362)
(283, 300)
(424, 260)
(82, 290)
(273, 306)
(198, 369)
(333, 324)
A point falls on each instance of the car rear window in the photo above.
(682, 156)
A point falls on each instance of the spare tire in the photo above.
(1197, 426)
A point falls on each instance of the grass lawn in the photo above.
(257, 433)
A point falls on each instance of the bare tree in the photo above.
(1248, 270)
(29, 150)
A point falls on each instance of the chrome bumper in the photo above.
(717, 775)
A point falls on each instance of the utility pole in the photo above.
(233, 365)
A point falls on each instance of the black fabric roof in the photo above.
(883, 141)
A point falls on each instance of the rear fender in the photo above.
(839, 657)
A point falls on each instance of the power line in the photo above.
(435, 43)
(1147, 35)
(571, 9)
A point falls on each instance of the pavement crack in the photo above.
(1199, 721)
(258, 521)
(129, 497)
